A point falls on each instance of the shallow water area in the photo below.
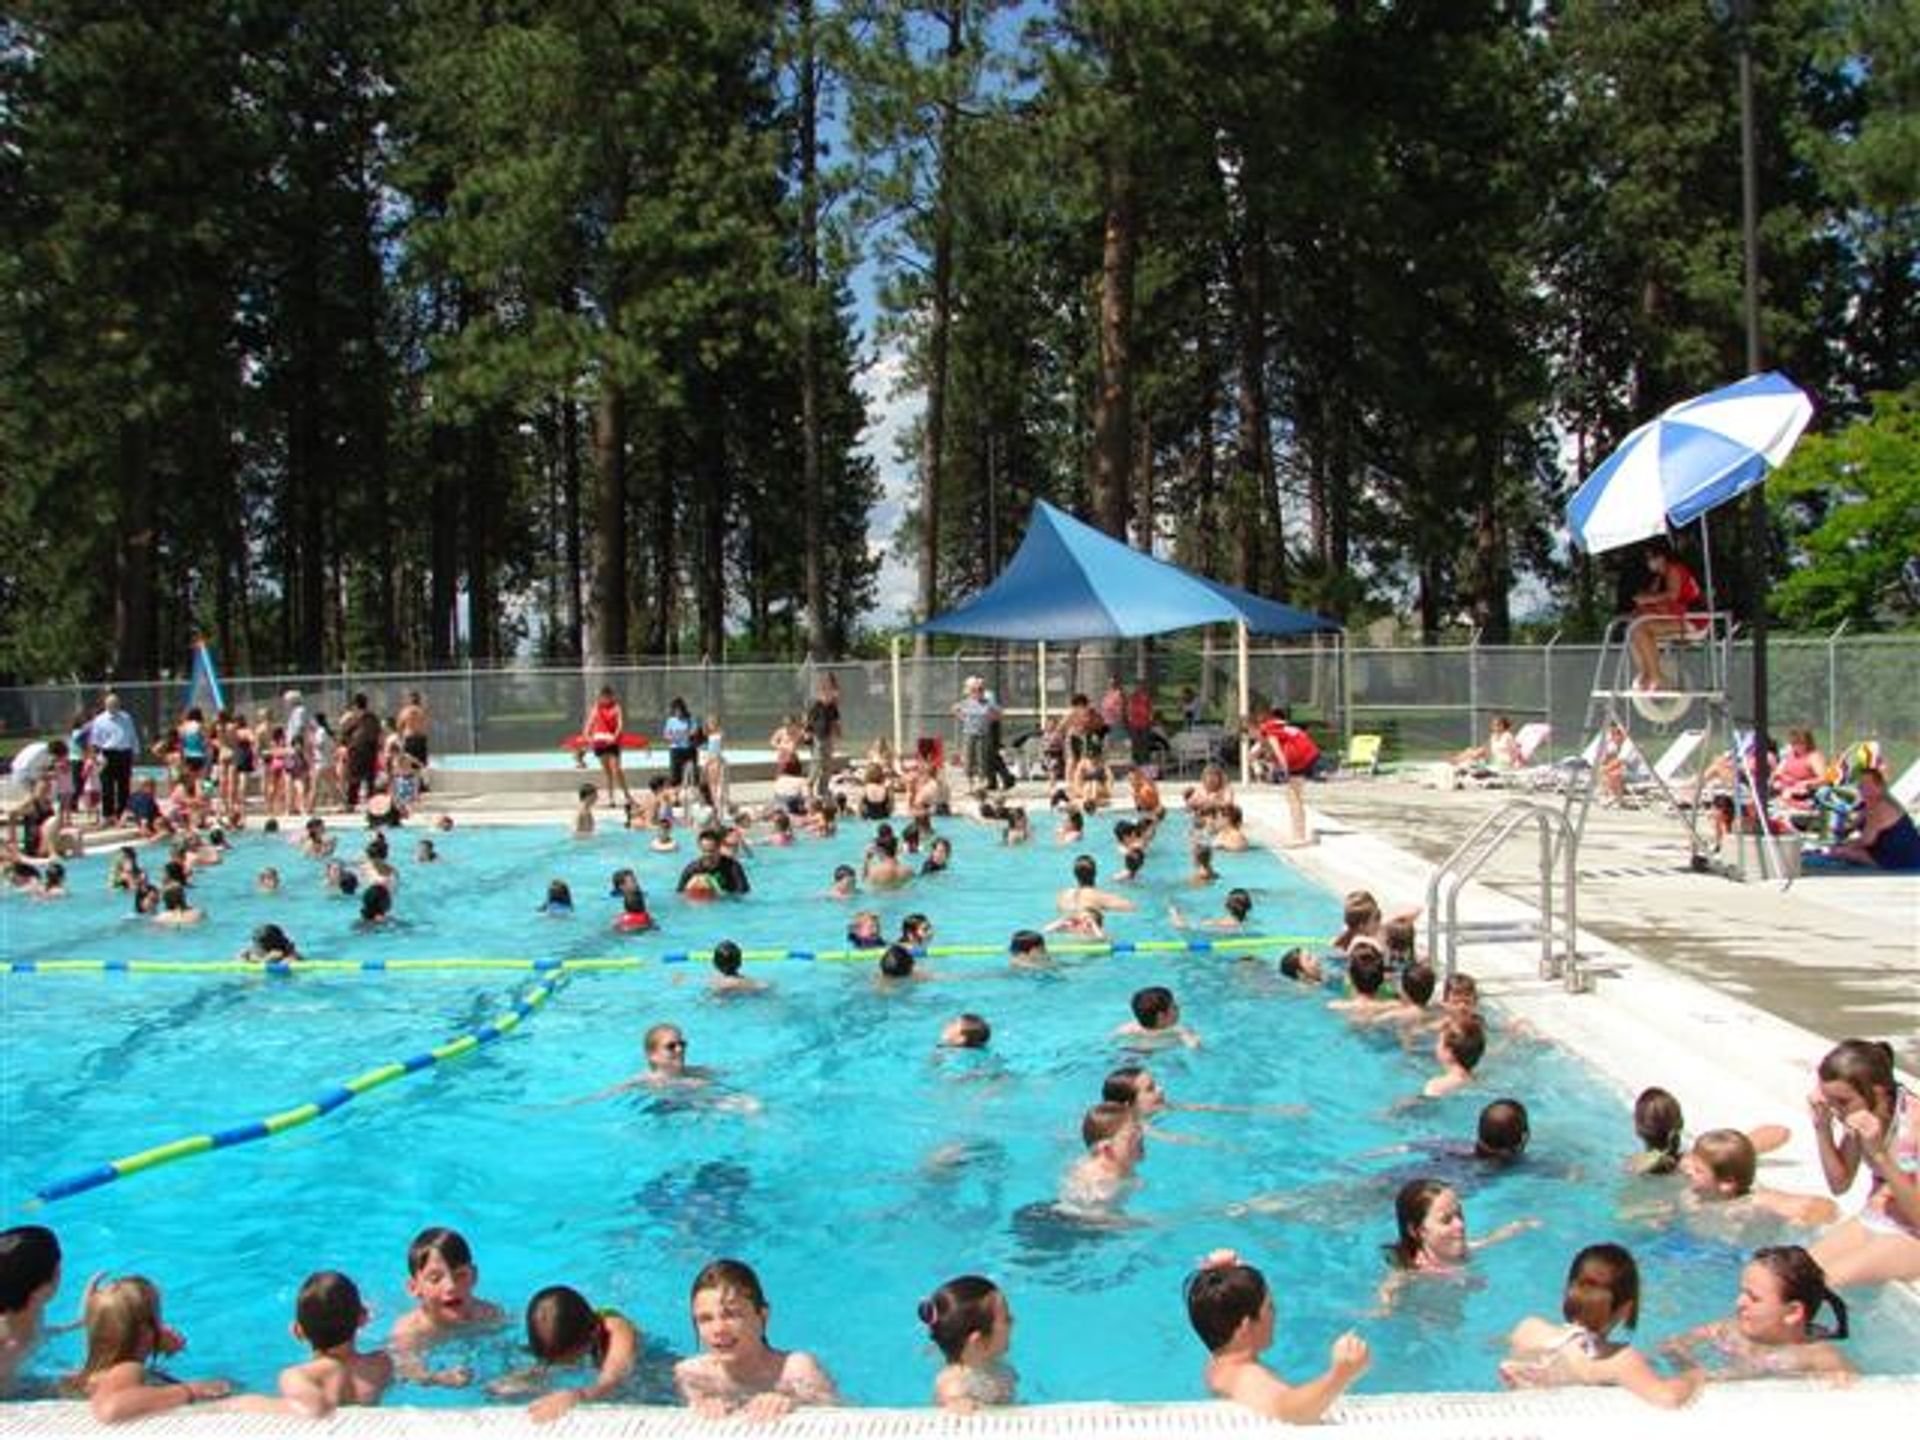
(834, 1148)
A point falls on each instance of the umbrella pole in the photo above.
(1242, 705)
(899, 728)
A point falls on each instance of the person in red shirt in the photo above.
(1140, 720)
(1665, 609)
(1293, 757)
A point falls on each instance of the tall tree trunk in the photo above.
(133, 598)
(483, 485)
(573, 646)
(812, 304)
(933, 438)
(610, 534)
(710, 441)
(666, 543)
(443, 542)
(1491, 612)
(1113, 393)
(1253, 437)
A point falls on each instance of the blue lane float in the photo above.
(615, 964)
(279, 1123)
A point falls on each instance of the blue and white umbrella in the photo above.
(1699, 454)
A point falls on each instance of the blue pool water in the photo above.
(866, 1169)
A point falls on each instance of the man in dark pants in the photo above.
(113, 733)
(362, 736)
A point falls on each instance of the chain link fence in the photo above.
(1425, 701)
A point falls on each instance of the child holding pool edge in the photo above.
(327, 1315)
(1878, 1122)
(1231, 1309)
(1772, 1332)
(969, 1320)
(441, 1276)
(737, 1373)
(564, 1330)
(124, 1334)
(29, 1279)
(1602, 1293)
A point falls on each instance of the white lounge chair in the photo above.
(1665, 775)
(1528, 742)
(1907, 788)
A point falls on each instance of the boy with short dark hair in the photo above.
(327, 1315)
(1231, 1310)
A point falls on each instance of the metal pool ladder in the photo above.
(1556, 930)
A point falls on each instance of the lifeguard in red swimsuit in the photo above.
(1666, 609)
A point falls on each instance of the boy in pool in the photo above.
(1720, 1170)
(1028, 950)
(1116, 1143)
(663, 842)
(966, 1032)
(1458, 1049)
(1156, 1022)
(328, 1315)
(441, 1276)
(29, 1278)
(727, 960)
(588, 795)
(737, 1373)
(1231, 1310)
(564, 1329)
(1084, 893)
(1366, 975)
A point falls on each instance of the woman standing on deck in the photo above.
(602, 729)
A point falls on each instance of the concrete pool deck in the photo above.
(1725, 993)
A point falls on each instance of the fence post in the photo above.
(1833, 683)
(1546, 661)
(1473, 686)
(473, 710)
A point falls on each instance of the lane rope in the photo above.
(619, 963)
(282, 1121)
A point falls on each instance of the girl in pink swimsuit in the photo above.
(1863, 1115)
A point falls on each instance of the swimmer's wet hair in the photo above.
(1360, 910)
(1398, 934)
(1803, 1283)
(1658, 1122)
(957, 1311)
(1222, 1298)
(1462, 986)
(1366, 969)
(734, 1275)
(1290, 963)
(1602, 1283)
(1729, 1157)
(328, 1309)
(1084, 870)
(448, 1246)
(1152, 1005)
(1410, 1207)
(896, 962)
(29, 1259)
(1025, 942)
(1239, 903)
(1104, 1121)
(1503, 1131)
(1416, 982)
(1466, 1040)
(588, 792)
(727, 958)
(1121, 1086)
(975, 1032)
(561, 1324)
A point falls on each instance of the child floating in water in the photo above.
(1156, 1022)
(1772, 1331)
(1231, 1310)
(727, 960)
(1432, 1238)
(969, 1320)
(1458, 1048)
(966, 1032)
(441, 1276)
(124, 1335)
(737, 1373)
(583, 817)
(1603, 1293)
(1116, 1143)
(564, 1331)
(328, 1315)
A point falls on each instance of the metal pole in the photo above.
(899, 727)
(1473, 685)
(1756, 501)
(1833, 683)
(1546, 674)
(1243, 705)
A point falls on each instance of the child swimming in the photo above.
(1116, 1143)
(559, 901)
(1231, 1309)
(968, 1319)
(563, 1330)
(29, 1278)
(1458, 1048)
(1432, 1234)
(966, 1031)
(441, 1276)
(327, 1315)
(1720, 1170)
(737, 1372)
(1602, 1293)
(124, 1335)
(1156, 1021)
(727, 960)
(1772, 1332)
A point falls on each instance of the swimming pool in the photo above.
(870, 1170)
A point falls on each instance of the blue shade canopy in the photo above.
(1069, 581)
(1699, 454)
